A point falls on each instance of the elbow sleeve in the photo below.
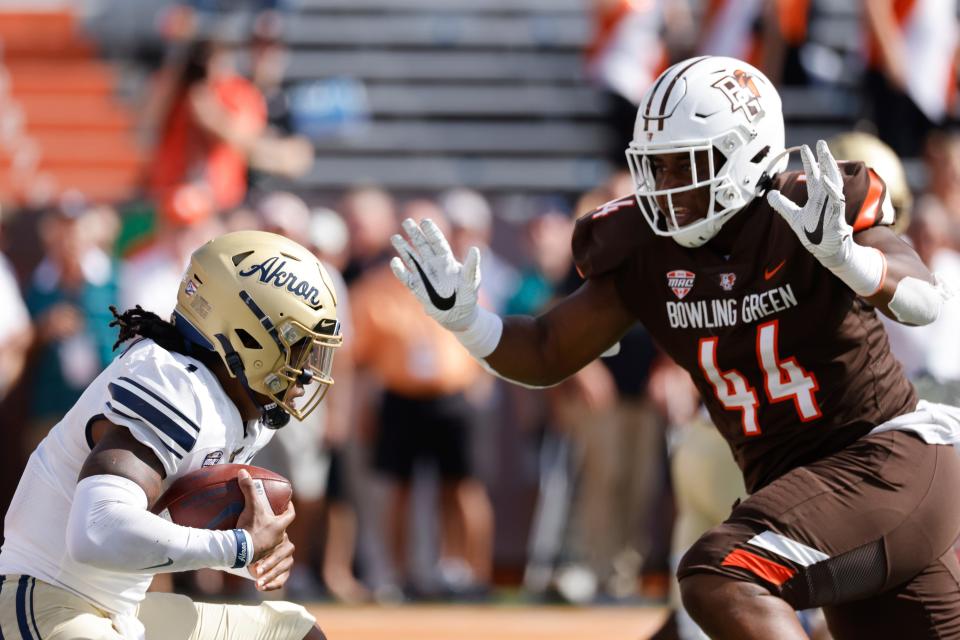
(917, 302)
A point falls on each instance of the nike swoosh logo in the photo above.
(816, 235)
(444, 304)
(157, 566)
(769, 273)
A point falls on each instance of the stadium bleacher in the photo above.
(63, 125)
(490, 94)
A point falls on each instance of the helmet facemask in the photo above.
(711, 172)
(301, 381)
(722, 109)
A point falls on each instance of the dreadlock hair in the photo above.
(140, 323)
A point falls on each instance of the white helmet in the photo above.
(729, 112)
(267, 307)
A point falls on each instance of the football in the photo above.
(210, 498)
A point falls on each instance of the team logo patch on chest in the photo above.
(680, 282)
(727, 280)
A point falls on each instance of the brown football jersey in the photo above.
(791, 364)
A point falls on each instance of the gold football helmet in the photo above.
(267, 307)
(858, 145)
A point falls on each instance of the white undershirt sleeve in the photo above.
(917, 302)
(110, 528)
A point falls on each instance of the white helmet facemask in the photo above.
(719, 110)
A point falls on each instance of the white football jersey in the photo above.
(170, 402)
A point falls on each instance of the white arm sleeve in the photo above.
(917, 302)
(110, 528)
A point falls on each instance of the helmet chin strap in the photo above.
(272, 415)
(766, 178)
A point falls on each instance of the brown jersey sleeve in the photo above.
(868, 203)
(604, 239)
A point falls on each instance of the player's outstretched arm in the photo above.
(532, 351)
(909, 292)
(110, 527)
(874, 263)
(545, 350)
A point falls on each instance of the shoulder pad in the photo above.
(156, 397)
(606, 237)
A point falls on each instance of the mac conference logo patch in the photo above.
(680, 282)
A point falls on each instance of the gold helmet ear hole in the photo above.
(247, 340)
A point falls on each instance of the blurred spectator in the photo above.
(705, 480)
(16, 332)
(424, 418)
(558, 550)
(617, 470)
(276, 151)
(299, 451)
(269, 58)
(371, 219)
(240, 218)
(911, 79)
(548, 239)
(744, 29)
(214, 118)
(625, 459)
(69, 297)
(285, 214)
(930, 354)
(330, 237)
(632, 43)
(16, 336)
(151, 277)
(105, 226)
(769, 34)
(942, 166)
(784, 48)
(471, 225)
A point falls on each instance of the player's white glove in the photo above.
(445, 288)
(821, 224)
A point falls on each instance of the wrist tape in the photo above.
(482, 335)
(861, 268)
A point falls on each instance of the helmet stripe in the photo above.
(666, 96)
(646, 112)
(263, 318)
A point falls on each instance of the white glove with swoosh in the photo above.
(446, 289)
(821, 224)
